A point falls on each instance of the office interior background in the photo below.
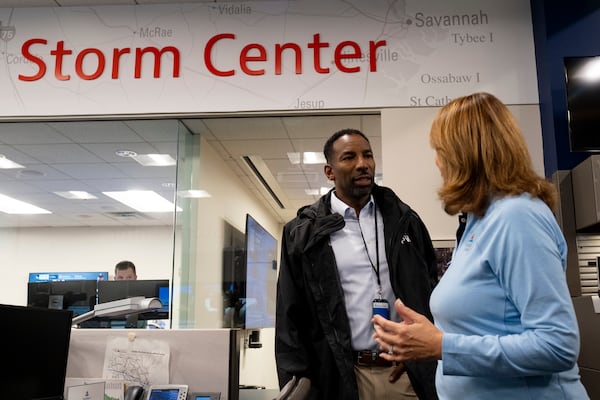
(229, 164)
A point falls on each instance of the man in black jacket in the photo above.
(357, 246)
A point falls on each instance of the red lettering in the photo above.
(251, 53)
(139, 53)
(36, 60)
(317, 46)
(373, 53)
(59, 53)
(99, 67)
(278, 55)
(245, 58)
(117, 53)
(339, 56)
(208, 52)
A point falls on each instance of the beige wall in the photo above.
(409, 167)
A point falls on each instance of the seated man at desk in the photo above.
(125, 270)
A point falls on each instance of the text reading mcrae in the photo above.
(254, 58)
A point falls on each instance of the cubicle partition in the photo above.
(207, 360)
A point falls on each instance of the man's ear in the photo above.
(329, 172)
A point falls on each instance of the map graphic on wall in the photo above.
(263, 55)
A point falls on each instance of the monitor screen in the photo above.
(77, 296)
(261, 276)
(67, 276)
(250, 279)
(583, 102)
(117, 290)
(37, 348)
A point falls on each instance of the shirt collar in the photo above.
(338, 206)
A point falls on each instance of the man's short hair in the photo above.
(328, 147)
(123, 265)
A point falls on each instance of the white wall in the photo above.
(80, 249)
(409, 167)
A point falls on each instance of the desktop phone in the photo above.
(167, 392)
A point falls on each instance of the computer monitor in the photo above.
(250, 280)
(117, 290)
(67, 276)
(36, 352)
(77, 296)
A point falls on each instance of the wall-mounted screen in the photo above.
(250, 279)
(583, 102)
(67, 276)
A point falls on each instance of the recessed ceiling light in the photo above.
(294, 158)
(9, 205)
(194, 194)
(154, 160)
(126, 153)
(143, 200)
(5, 163)
(76, 195)
(313, 157)
(317, 192)
(29, 173)
(308, 157)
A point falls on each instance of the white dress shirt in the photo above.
(357, 268)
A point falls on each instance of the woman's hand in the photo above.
(415, 338)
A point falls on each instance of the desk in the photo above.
(258, 394)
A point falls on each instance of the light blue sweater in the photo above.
(510, 330)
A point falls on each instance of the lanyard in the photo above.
(375, 269)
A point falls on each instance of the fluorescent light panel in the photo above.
(9, 205)
(143, 200)
(76, 195)
(193, 194)
(5, 163)
(317, 192)
(308, 157)
(154, 160)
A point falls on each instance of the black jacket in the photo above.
(313, 337)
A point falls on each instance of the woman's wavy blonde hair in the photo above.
(483, 154)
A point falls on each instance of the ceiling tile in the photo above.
(241, 128)
(97, 132)
(319, 126)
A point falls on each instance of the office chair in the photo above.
(295, 389)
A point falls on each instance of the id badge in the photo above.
(381, 307)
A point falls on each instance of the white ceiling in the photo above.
(62, 156)
(80, 155)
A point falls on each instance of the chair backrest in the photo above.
(295, 389)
